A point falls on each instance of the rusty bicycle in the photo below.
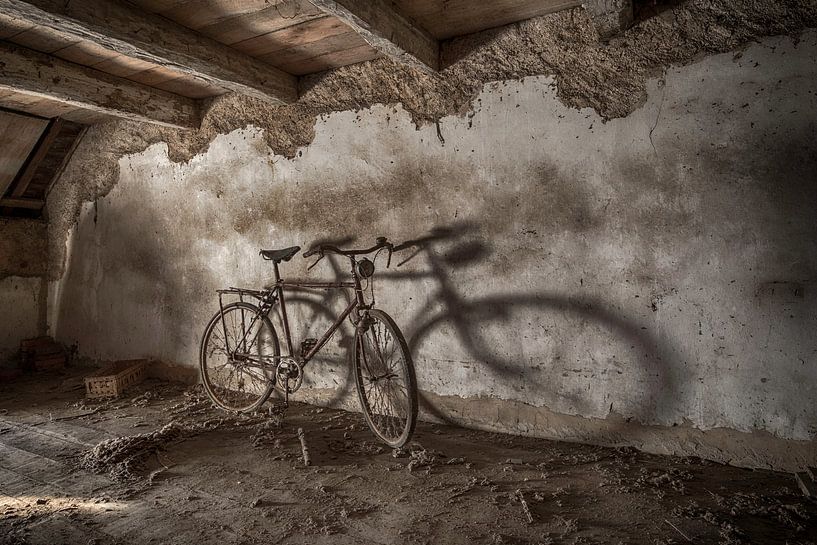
(240, 356)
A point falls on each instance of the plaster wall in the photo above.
(23, 267)
(21, 300)
(648, 280)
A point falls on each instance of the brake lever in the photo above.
(315, 263)
(388, 262)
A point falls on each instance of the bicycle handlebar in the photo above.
(382, 242)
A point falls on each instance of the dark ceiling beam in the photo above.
(30, 204)
(120, 27)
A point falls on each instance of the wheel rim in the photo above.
(383, 381)
(236, 375)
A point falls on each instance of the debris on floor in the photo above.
(196, 474)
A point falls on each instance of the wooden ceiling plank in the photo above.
(333, 59)
(18, 135)
(43, 146)
(85, 53)
(199, 14)
(291, 55)
(446, 19)
(43, 39)
(38, 75)
(245, 27)
(125, 29)
(387, 30)
(155, 75)
(65, 160)
(123, 66)
(310, 31)
(10, 27)
(87, 117)
(190, 87)
(31, 204)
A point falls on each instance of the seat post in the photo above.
(277, 274)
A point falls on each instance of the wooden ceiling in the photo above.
(33, 152)
(87, 61)
(157, 56)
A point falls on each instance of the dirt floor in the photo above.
(161, 465)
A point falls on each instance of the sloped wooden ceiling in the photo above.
(33, 152)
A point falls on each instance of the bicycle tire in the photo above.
(219, 394)
(394, 430)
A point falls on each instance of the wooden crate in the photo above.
(50, 362)
(42, 354)
(115, 378)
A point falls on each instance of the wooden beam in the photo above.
(386, 30)
(19, 134)
(31, 204)
(65, 160)
(27, 173)
(122, 28)
(35, 74)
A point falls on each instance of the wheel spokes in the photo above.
(383, 380)
(238, 382)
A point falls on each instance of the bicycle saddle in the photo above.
(280, 255)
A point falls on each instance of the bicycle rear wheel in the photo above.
(238, 356)
(386, 384)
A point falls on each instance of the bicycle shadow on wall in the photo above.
(480, 329)
(483, 328)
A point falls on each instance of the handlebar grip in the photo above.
(311, 252)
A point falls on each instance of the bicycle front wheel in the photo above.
(386, 384)
(238, 356)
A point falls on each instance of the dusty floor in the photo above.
(223, 479)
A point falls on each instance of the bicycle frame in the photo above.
(268, 298)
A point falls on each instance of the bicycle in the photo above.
(240, 356)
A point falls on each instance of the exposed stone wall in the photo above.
(643, 267)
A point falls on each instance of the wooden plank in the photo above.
(152, 76)
(125, 29)
(65, 160)
(300, 52)
(190, 87)
(31, 204)
(18, 136)
(42, 39)
(387, 30)
(87, 117)
(10, 27)
(123, 66)
(448, 18)
(157, 6)
(310, 31)
(35, 159)
(35, 74)
(32, 105)
(201, 13)
(85, 53)
(334, 59)
(278, 17)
